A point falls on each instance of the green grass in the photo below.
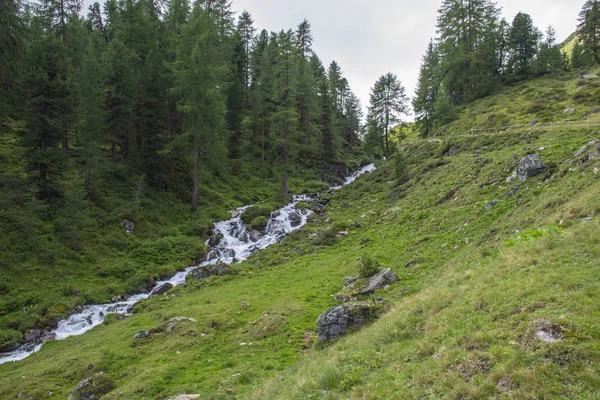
(58, 255)
(462, 295)
(535, 102)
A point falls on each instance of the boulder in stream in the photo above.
(161, 289)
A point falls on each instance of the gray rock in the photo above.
(590, 76)
(350, 280)
(128, 225)
(295, 219)
(339, 319)
(582, 150)
(182, 319)
(93, 388)
(141, 335)
(170, 327)
(380, 279)
(512, 178)
(530, 166)
(229, 253)
(219, 269)
(161, 289)
(255, 236)
(533, 122)
(451, 151)
(357, 225)
(586, 220)
(569, 111)
(513, 190)
(215, 240)
(490, 206)
(38, 335)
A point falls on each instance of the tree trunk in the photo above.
(387, 122)
(195, 177)
(113, 152)
(284, 182)
(262, 156)
(88, 170)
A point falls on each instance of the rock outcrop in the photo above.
(128, 225)
(379, 280)
(530, 166)
(93, 388)
(339, 320)
(161, 289)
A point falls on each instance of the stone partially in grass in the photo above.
(93, 387)
(357, 286)
(339, 320)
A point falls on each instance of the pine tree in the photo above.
(550, 57)
(11, 49)
(304, 40)
(522, 43)
(118, 89)
(263, 56)
(49, 113)
(246, 31)
(91, 111)
(58, 13)
(220, 12)
(588, 31)
(468, 35)
(200, 71)
(577, 58)
(285, 117)
(95, 20)
(426, 92)
(354, 116)
(388, 103)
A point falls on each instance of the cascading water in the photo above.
(236, 245)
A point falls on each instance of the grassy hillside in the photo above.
(533, 102)
(472, 292)
(569, 43)
(60, 254)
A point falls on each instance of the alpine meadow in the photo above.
(194, 207)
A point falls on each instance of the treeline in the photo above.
(475, 52)
(166, 88)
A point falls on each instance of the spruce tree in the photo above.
(246, 31)
(388, 103)
(49, 113)
(426, 92)
(588, 31)
(522, 43)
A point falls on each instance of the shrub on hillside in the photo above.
(368, 266)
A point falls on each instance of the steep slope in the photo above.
(550, 100)
(465, 304)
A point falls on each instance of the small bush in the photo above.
(9, 338)
(532, 234)
(258, 223)
(368, 266)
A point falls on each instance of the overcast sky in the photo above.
(369, 38)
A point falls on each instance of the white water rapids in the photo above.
(236, 245)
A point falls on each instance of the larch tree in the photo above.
(388, 104)
(200, 72)
(285, 116)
